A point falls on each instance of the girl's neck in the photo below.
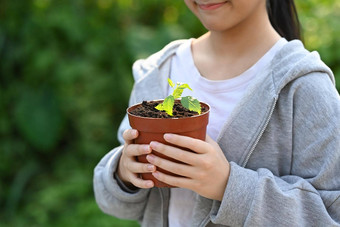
(236, 42)
(222, 55)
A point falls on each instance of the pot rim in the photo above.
(174, 118)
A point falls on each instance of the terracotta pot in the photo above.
(153, 129)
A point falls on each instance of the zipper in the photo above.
(261, 132)
(205, 221)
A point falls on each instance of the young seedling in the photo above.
(187, 102)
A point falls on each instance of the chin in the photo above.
(217, 27)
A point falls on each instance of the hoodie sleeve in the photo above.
(111, 195)
(310, 194)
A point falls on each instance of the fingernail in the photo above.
(133, 133)
(168, 136)
(155, 174)
(154, 144)
(149, 184)
(150, 167)
(150, 158)
(147, 149)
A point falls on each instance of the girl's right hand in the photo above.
(129, 168)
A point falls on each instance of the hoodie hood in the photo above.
(294, 61)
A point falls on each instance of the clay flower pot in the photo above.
(153, 129)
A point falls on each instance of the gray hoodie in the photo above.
(282, 142)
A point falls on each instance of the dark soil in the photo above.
(147, 109)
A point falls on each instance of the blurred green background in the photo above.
(65, 79)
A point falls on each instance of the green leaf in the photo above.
(179, 90)
(167, 105)
(171, 83)
(191, 104)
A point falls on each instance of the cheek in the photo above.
(191, 5)
(248, 8)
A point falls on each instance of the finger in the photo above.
(212, 142)
(193, 144)
(175, 153)
(173, 167)
(181, 182)
(208, 139)
(140, 183)
(137, 149)
(138, 167)
(129, 135)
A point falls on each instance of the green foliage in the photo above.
(187, 102)
(65, 79)
(45, 120)
(167, 105)
(321, 29)
(191, 104)
(179, 90)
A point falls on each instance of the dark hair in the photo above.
(284, 18)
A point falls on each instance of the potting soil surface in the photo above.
(147, 109)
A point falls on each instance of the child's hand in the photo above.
(129, 168)
(205, 171)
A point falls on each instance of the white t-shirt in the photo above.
(222, 96)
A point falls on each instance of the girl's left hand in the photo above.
(204, 171)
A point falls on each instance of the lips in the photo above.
(210, 6)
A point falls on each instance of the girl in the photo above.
(272, 153)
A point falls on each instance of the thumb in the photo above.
(129, 135)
